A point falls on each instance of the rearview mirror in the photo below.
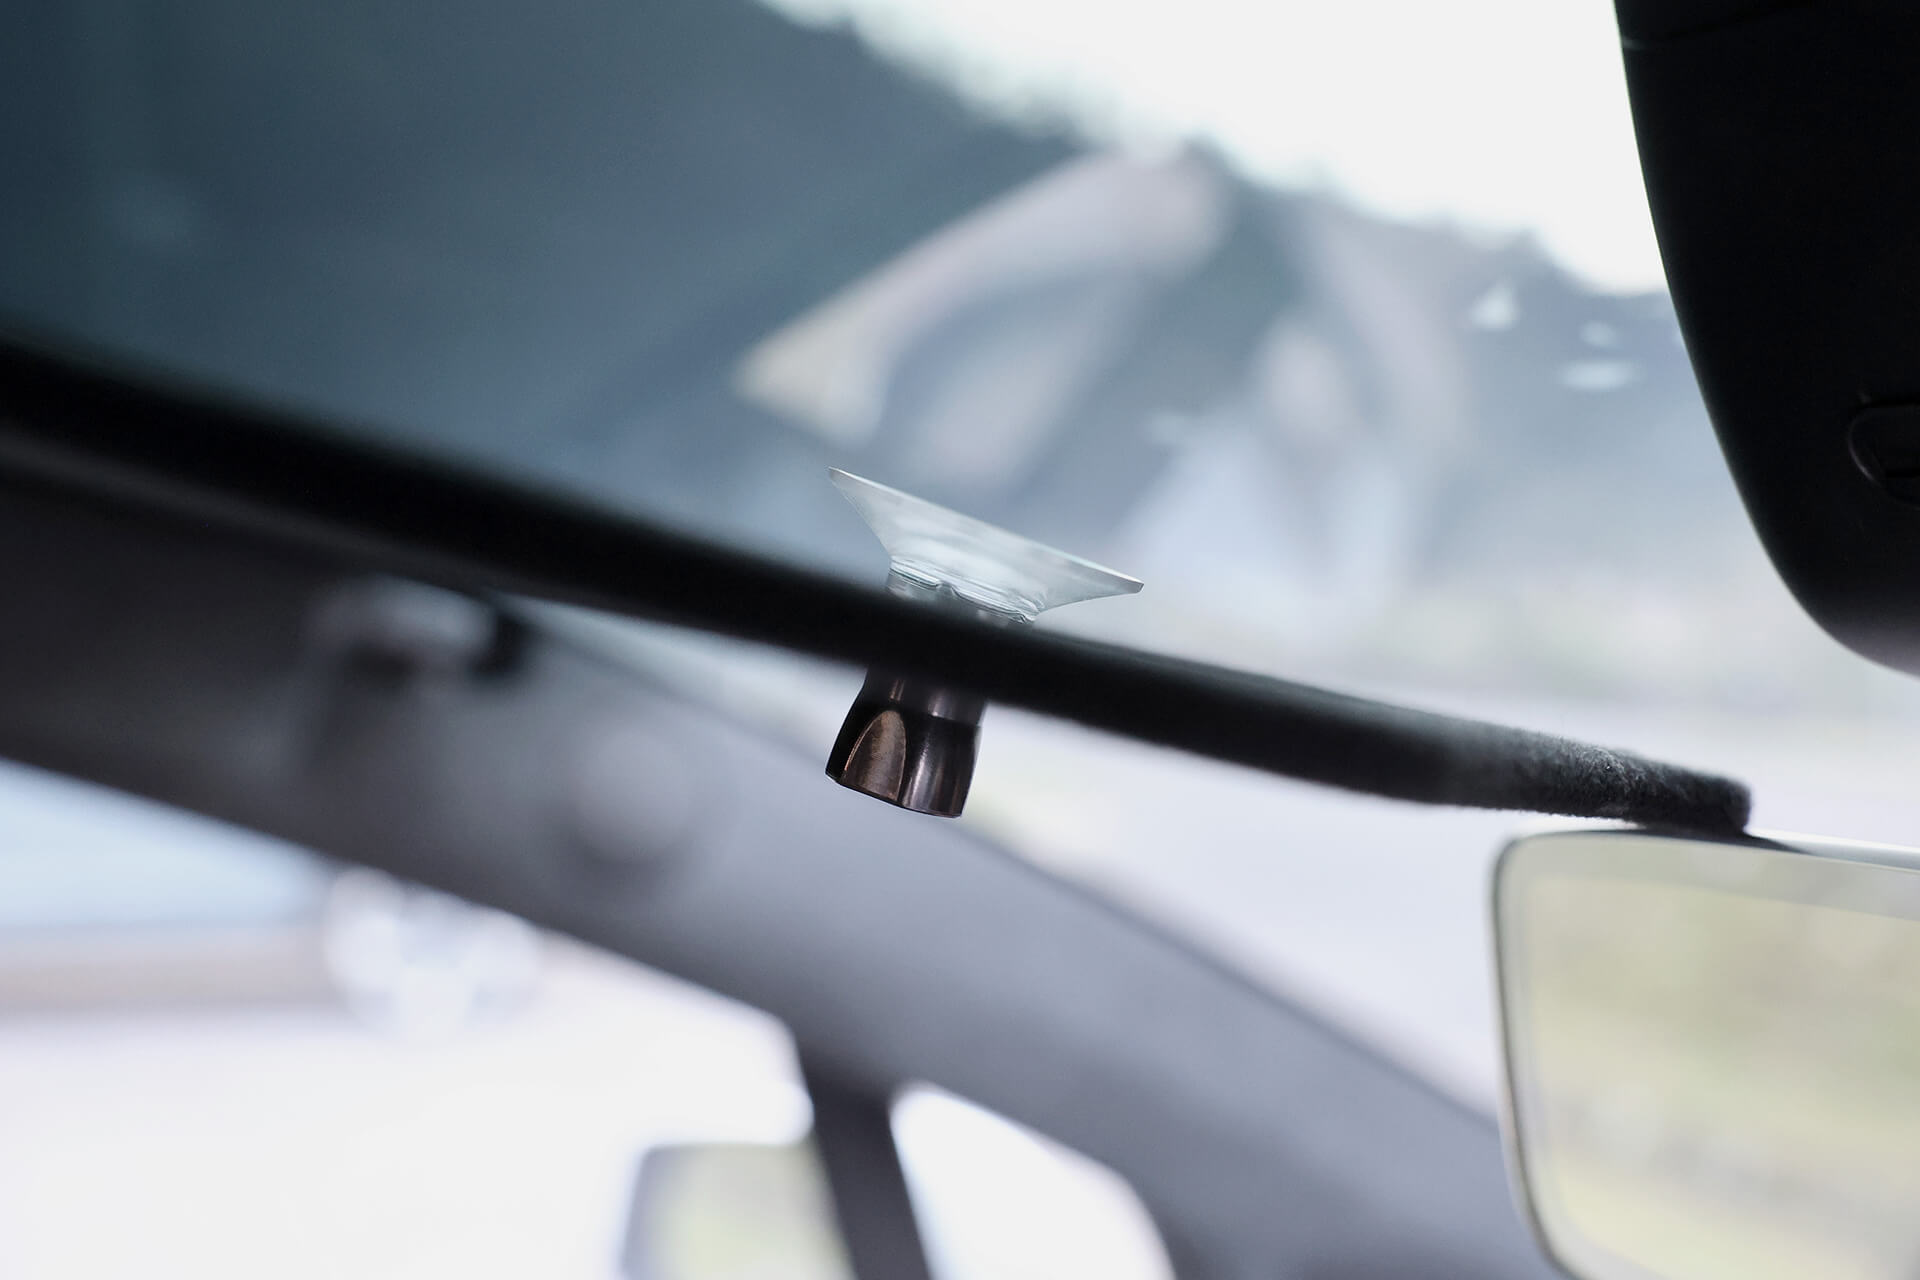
(1713, 1054)
(733, 1211)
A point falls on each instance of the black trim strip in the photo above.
(85, 429)
(853, 1131)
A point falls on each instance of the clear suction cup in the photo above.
(910, 742)
(934, 549)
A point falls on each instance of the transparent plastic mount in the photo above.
(936, 551)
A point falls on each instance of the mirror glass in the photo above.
(733, 1211)
(1714, 1055)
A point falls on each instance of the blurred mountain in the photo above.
(1315, 432)
(682, 256)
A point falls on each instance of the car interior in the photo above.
(461, 467)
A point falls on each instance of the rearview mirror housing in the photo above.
(1781, 149)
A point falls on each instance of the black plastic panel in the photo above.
(1781, 145)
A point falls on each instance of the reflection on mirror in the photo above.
(733, 1211)
(1713, 1054)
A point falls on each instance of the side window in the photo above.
(993, 1201)
(999, 1202)
(221, 1056)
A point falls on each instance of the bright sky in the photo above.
(1501, 115)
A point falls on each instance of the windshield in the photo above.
(1352, 347)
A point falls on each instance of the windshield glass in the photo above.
(1351, 345)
